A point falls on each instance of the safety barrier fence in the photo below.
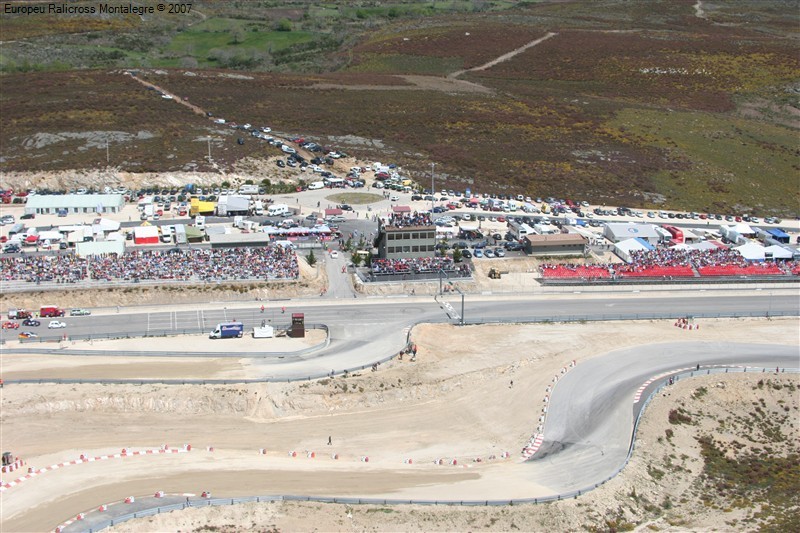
(29, 286)
(386, 501)
(158, 333)
(702, 280)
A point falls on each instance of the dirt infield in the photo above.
(454, 401)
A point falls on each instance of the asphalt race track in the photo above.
(364, 331)
(590, 419)
(591, 413)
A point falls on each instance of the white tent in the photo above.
(104, 224)
(702, 245)
(682, 246)
(52, 236)
(624, 248)
(751, 251)
(743, 229)
(777, 252)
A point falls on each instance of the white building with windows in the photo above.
(51, 204)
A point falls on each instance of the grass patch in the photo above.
(234, 36)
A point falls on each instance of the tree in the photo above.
(457, 255)
(226, 184)
(356, 258)
(284, 25)
(311, 259)
(238, 35)
(248, 182)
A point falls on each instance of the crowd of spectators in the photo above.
(273, 262)
(656, 261)
(419, 265)
(400, 220)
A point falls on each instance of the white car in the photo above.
(288, 149)
(56, 324)
(394, 198)
(334, 254)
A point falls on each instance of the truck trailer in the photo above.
(48, 311)
(227, 330)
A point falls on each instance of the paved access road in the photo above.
(363, 331)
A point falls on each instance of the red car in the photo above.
(10, 325)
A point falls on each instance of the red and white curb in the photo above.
(640, 390)
(33, 472)
(538, 436)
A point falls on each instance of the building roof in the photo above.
(390, 229)
(557, 238)
(70, 201)
(623, 230)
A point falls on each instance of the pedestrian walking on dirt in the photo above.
(329, 440)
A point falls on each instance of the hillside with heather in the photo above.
(680, 104)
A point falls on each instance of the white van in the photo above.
(278, 210)
(316, 185)
(200, 222)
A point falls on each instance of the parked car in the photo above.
(79, 312)
(488, 253)
(499, 252)
(56, 324)
(466, 253)
(31, 322)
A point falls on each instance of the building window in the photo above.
(415, 235)
(406, 249)
(415, 249)
(406, 236)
